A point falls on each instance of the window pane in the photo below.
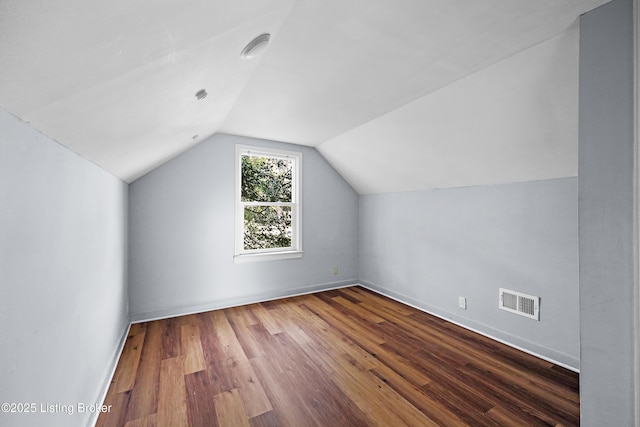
(266, 179)
(267, 227)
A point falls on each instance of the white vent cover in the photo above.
(519, 303)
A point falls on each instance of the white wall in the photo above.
(430, 247)
(182, 239)
(501, 145)
(606, 215)
(63, 289)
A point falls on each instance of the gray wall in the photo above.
(63, 294)
(429, 247)
(182, 239)
(606, 215)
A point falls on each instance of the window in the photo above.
(267, 204)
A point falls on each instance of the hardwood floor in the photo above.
(347, 357)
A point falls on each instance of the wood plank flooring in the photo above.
(346, 357)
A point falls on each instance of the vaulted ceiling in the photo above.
(116, 81)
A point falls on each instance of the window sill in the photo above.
(266, 256)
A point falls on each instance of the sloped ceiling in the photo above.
(116, 81)
(514, 121)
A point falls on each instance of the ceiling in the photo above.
(116, 81)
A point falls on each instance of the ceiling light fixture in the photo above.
(256, 46)
(201, 94)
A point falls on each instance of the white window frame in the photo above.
(271, 254)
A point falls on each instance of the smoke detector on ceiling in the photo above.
(256, 46)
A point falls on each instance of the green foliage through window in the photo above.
(267, 227)
(266, 192)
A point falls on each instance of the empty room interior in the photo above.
(305, 212)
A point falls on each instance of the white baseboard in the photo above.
(234, 302)
(106, 382)
(558, 358)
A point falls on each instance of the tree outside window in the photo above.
(268, 200)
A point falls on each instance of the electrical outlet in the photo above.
(462, 303)
(335, 271)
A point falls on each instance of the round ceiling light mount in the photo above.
(256, 46)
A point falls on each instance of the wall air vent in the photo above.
(519, 303)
